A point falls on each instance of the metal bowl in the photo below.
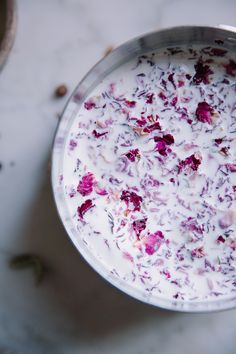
(7, 28)
(176, 36)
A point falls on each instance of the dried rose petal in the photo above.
(131, 197)
(90, 104)
(162, 148)
(230, 68)
(150, 98)
(202, 73)
(139, 226)
(152, 127)
(218, 141)
(231, 167)
(168, 139)
(130, 104)
(171, 79)
(204, 112)
(128, 256)
(152, 119)
(162, 96)
(141, 122)
(167, 274)
(218, 52)
(174, 101)
(84, 207)
(72, 144)
(233, 245)
(162, 143)
(153, 242)
(100, 191)
(132, 154)
(180, 83)
(220, 239)
(191, 224)
(85, 186)
(98, 135)
(188, 146)
(198, 252)
(149, 181)
(225, 150)
(192, 162)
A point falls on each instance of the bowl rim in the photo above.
(10, 31)
(58, 195)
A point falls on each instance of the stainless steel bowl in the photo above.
(7, 28)
(176, 36)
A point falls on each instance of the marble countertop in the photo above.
(75, 311)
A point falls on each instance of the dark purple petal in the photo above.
(152, 127)
(150, 98)
(174, 101)
(83, 208)
(131, 197)
(162, 148)
(141, 122)
(139, 226)
(220, 239)
(130, 104)
(162, 96)
(192, 162)
(217, 52)
(168, 139)
(171, 79)
(89, 105)
(132, 154)
(218, 141)
(98, 135)
(202, 73)
(162, 143)
(204, 112)
(231, 68)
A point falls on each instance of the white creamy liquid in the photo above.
(187, 248)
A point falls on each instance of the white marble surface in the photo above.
(74, 311)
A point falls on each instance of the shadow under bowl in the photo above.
(7, 28)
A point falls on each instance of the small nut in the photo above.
(61, 91)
